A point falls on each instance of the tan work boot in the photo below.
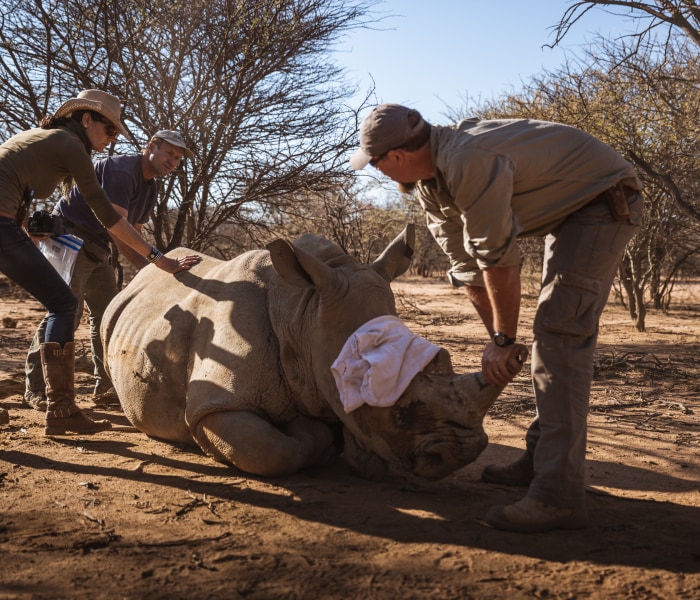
(62, 413)
(532, 516)
(518, 473)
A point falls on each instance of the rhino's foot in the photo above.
(255, 445)
(317, 437)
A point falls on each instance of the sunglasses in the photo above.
(377, 159)
(110, 129)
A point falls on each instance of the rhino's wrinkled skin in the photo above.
(235, 356)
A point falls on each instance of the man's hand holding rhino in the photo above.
(500, 364)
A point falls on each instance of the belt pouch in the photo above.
(617, 202)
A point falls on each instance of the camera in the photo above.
(43, 222)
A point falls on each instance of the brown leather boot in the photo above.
(62, 413)
(518, 473)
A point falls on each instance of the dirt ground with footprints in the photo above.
(120, 515)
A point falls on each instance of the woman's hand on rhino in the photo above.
(175, 265)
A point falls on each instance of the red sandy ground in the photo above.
(119, 515)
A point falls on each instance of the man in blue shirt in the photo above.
(129, 181)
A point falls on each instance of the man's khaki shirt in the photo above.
(497, 180)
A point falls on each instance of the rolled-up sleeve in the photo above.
(481, 184)
(445, 225)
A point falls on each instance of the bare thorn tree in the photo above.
(682, 15)
(250, 84)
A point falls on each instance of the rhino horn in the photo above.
(467, 397)
(480, 394)
(462, 443)
(396, 258)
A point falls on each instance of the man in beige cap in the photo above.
(130, 182)
(483, 184)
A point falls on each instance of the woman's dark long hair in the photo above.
(52, 122)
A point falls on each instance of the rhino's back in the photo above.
(174, 345)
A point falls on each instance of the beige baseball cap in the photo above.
(174, 138)
(388, 126)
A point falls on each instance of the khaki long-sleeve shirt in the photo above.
(39, 159)
(497, 180)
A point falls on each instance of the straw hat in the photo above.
(101, 102)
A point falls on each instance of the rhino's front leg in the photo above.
(256, 446)
(362, 459)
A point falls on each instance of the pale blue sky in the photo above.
(430, 54)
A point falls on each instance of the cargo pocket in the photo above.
(572, 305)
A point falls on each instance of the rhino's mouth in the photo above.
(439, 456)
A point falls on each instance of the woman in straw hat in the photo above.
(32, 164)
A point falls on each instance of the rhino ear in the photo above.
(397, 255)
(297, 267)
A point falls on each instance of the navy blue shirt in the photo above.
(122, 178)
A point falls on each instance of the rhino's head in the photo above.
(435, 427)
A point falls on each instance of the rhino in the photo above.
(234, 356)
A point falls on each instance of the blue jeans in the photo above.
(21, 261)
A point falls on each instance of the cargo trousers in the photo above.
(581, 259)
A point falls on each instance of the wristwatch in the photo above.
(502, 340)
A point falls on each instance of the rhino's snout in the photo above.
(439, 457)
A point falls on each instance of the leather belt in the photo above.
(81, 232)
